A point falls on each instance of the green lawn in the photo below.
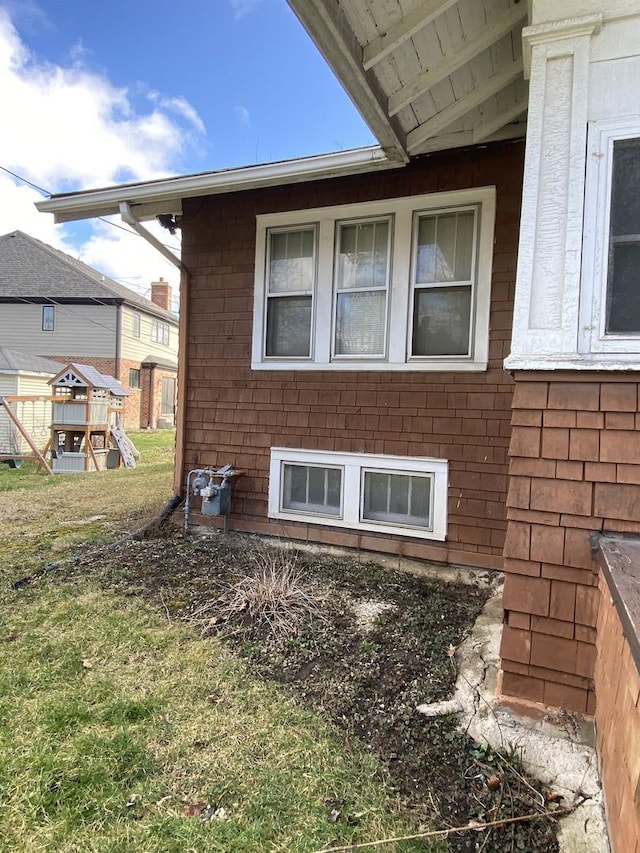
(121, 730)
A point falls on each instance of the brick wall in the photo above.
(150, 407)
(618, 727)
(575, 468)
(236, 415)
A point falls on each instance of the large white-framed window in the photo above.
(160, 332)
(363, 262)
(290, 288)
(610, 292)
(363, 491)
(397, 284)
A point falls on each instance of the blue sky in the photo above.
(106, 93)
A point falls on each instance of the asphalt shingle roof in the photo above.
(31, 269)
(11, 359)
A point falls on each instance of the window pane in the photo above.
(295, 484)
(625, 198)
(397, 499)
(623, 292)
(360, 323)
(309, 488)
(464, 245)
(376, 488)
(334, 487)
(48, 318)
(445, 247)
(420, 496)
(289, 326)
(291, 262)
(441, 321)
(316, 485)
(398, 495)
(623, 295)
(363, 255)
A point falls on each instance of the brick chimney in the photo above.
(161, 294)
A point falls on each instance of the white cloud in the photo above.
(71, 128)
(244, 7)
(242, 114)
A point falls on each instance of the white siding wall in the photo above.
(80, 330)
(35, 416)
(8, 386)
(136, 349)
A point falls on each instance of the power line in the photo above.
(100, 218)
(98, 304)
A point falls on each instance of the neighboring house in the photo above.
(360, 340)
(25, 375)
(55, 306)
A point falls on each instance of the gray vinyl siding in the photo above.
(80, 330)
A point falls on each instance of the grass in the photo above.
(44, 517)
(121, 730)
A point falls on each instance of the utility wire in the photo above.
(98, 304)
(100, 218)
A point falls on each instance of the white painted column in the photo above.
(546, 311)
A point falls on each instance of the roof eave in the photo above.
(327, 25)
(151, 198)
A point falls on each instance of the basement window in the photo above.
(399, 284)
(395, 494)
(314, 489)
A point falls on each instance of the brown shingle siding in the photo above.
(463, 417)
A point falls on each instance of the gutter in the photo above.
(150, 198)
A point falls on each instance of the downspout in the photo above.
(179, 464)
(118, 340)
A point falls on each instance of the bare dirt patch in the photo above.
(375, 645)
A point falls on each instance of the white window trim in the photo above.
(399, 325)
(45, 310)
(352, 466)
(160, 332)
(593, 339)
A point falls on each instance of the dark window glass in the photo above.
(623, 275)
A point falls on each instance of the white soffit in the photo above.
(426, 74)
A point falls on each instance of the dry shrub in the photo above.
(274, 597)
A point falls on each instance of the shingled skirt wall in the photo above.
(574, 469)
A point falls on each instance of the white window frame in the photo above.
(402, 212)
(338, 290)
(269, 295)
(160, 332)
(136, 324)
(48, 312)
(593, 300)
(353, 466)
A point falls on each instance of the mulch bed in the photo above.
(378, 644)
